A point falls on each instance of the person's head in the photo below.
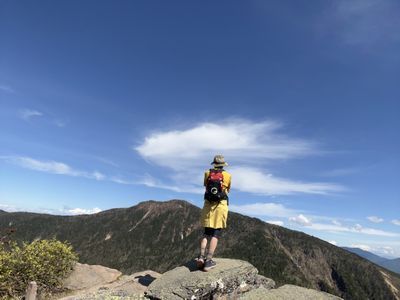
(219, 161)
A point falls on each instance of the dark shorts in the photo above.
(214, 232)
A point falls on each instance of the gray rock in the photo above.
(287, 292)
(125, 287)
(229, 278)
(85, 276)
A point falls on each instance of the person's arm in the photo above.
(227, 181)
(206, 174)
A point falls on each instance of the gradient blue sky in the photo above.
(105, 104)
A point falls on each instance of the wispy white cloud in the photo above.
(333, 242)
(341, 172)
(6, 88)
(53, 167)
(240, 140)
(64, 211)
(106, 161)
(122, 181)
(27, 114)
(247, 145)
(60, 123)
(396, 222)
(263, 209)
(301, 220)
(366, 23)
(150, 181)
(255, 181)
(375, 219)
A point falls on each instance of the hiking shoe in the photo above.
(200, 262)
(209, 264)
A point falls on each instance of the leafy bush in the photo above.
(45, 261)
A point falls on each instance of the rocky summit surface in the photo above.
(230, 279)
(287, 292)
(89, 282)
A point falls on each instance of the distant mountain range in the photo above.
(390, 264)
(163, 235)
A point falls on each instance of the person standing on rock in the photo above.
(214, 215)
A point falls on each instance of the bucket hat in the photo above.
(219, 161)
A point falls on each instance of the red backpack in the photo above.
(214, 186)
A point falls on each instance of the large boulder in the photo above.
(98, 282)
(229, 278)
(84, 276)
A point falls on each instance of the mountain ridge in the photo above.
(390, 264)
(161, 235)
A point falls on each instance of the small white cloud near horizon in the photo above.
(357, 228)
(375, 219)
(83, 211)
(27, 114)
(381, 250)
(301, 220)
(275, 222)
(333, 242)
(8, 208)
(362, 247)
(396, 222)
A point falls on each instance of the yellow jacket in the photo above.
(215, 214)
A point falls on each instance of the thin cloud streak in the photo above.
(350, 229)
(375, 219)
(27, 114)
(263, 209)
(255, 181)
(52, 167)
(396, 222)
(364, 23)
(7, 89)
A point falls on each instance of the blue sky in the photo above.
(107, 104)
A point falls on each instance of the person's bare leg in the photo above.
(203, 246)
(212, 247)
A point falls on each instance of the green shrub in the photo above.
(47, 262)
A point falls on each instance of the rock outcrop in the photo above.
(85, 276)
(98, 282)
(287, 292)
(231, 279)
